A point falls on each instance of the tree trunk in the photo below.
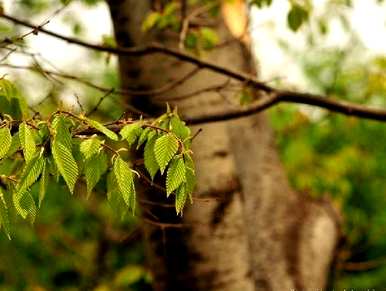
(247, 230)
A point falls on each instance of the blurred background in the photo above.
(81, 244)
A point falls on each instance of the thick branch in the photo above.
(151, 49)
(274, 95)
(264, 103)
(259, 106)
(343, 107)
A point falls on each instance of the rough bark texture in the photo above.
(247, 230)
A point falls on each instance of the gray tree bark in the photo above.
(247, 230)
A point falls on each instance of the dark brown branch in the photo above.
(346, 108)
(187, 19)
(152, 49)
(163, 224)
(362, 266)
(79, 103)
(343, 107)
(273, 99)
(275, 95)
(259, 106)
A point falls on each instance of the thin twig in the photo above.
(164, 224)
(78, 102)
(186, 20)
(95, 108)
(128, 92)
(214, 88)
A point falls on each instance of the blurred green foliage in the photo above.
(80, 244)
(75, 244)
(342, 158)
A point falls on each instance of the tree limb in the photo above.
(151, 49)
(274, 95)
(346, 108)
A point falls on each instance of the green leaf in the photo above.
(165, 148)
(10, 100)
(95, 167)
(108, 40)
(181, 195)
(189, 163)
(90, 147)
(103, 129)
(143, 137)
(191, 40)
(150, 162)
(4, 219)
(190, 176)
(151, 20)
(170, 8)
(66, 164)
(78, 156)
(27, 141)
(296, 17)
(178, 127)
(125, 181)
(190, 183)
(8, 89)
(261, 3)
(5, 141)
(164, 120)
(15, 145)
(43, 183)
(168, 17)
(64, 159)
(175, 175)
(62, 130)
(31, 173)
(131, 132)
(114, 197)
(152, 133)
(129, 275)
(52, 168)
(43, 132)
(22, 199)
(16, 203)
(246, 96)
(25, 205)
(209, 38)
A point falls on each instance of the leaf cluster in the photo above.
(69, 149)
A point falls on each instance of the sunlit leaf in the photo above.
(27, 141)
(175, 175)
(125, 180)
(165, 148)
(5, 141)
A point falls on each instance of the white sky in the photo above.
(269, 24)
(68, 58)
(367, 18)
(96, 20)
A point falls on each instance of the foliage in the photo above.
(342, 159)
(41, 160)
(74, 146)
